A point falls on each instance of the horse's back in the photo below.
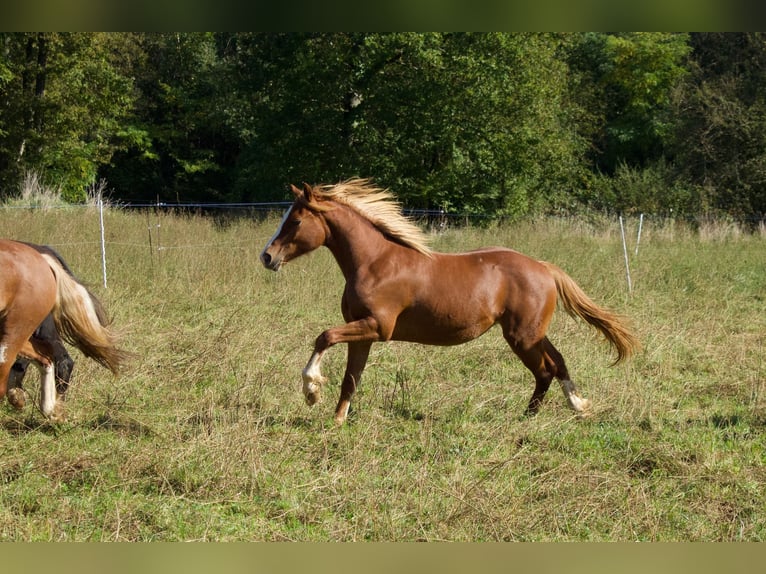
(508, 266)
(26, 279)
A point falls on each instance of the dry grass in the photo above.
(206, 437)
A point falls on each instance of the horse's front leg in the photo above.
(357, 359)
(16, 395)
(313, 380)
(361, 331)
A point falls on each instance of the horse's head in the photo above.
(301, 230)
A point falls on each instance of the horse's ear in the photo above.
(296, 192)
(308, 192)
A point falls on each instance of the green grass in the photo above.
(206, 435)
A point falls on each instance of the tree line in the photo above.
(498, 124)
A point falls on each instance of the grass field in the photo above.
(206, 435)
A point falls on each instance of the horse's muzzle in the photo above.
(271, 263)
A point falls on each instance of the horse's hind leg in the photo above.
(64, 367)
(41, 352)
(576, 402)
(534, 359)
(545, 363)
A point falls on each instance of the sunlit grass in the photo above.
(206, 435)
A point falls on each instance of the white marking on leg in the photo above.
(313, 379)
(340, 417)
(577, 403)
(3, 351)
(312, 370)
(47, 389)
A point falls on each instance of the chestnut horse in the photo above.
(63, 362)
(32, 286)
(399, 289)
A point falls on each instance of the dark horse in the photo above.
(64, 364)
(398, 289)
(33, 285)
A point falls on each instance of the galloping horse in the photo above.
(399, 289)
(63, 362)
(32, 286)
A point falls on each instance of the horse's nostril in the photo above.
(265, 259)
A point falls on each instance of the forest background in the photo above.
(485, 124)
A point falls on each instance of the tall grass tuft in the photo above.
(36, 194)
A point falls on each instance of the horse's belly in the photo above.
(430, 329)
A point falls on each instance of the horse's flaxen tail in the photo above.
(81, 320)
(578, 304)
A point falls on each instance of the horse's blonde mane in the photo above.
(380, 207)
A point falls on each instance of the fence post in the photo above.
(625, 253)
(103, 236)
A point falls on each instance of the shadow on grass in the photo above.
(18, 426)
(121, 425)
(29, 424)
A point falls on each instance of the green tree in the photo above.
(288, 104)
(721, 141)
(470, 122)
(625, 82)
(63, 103)
(182, 148)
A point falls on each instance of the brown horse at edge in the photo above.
(32, 286)
(397, 288)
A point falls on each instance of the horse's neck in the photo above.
(355, 242)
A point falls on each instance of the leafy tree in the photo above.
(489, 123)
(721, 142)
(473, 122)
(181, 149)
(62, 104)
(626, 82)
(288, 109)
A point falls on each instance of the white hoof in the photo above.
(580, 405)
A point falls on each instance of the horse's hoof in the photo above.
(579, 404)
(17, 398)
(341, 413)
(313, 397)
(312, 389)
(58, 415)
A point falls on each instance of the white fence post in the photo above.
(640, 227)
(625, 253)
(103, 236)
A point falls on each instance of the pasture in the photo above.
(206, 435)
